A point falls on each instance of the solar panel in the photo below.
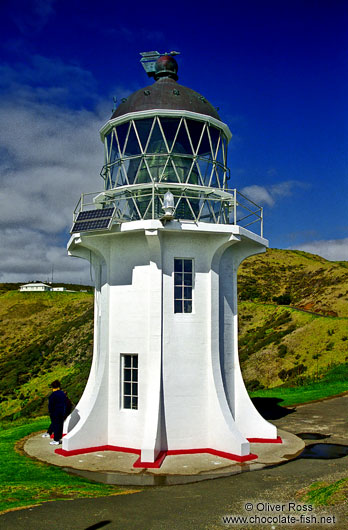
(100, 219)
(95, 214)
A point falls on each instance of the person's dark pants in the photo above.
(57, 426)
(50, 428)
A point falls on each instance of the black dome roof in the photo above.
(166, 94)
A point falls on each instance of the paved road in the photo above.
(201, 506)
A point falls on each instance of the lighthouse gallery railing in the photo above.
(191, 202)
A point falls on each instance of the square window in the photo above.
(178, 306)
(187, 293)
(177, 292)
(187, 306)
(127, 400)
(127, 375)
(127, 359)
(178, 278)
(178, 265)
(188, 279)
(187, 265)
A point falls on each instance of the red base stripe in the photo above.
(277, 440)
(215, 452)
(156, 464)
(161, 456)
(74, 452)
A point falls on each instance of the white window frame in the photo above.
(134, 381)
(183, 299)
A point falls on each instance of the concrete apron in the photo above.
(113, 467)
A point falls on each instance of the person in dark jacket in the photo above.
(57, 409)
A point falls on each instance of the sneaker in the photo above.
(54, 442)
(46, 435)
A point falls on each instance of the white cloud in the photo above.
(53, 155)
(270, 194)
(258, 194)
(29, 255)
(50, 154)
(331, 249)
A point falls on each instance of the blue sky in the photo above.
(276, 69)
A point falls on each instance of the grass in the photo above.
(334, 382)
(324, 493)
(25, 482)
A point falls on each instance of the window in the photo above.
(129, 369)
(183, 284)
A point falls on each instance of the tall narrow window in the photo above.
(183, 284)
(129, 381)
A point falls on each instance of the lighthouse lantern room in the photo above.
(165, 238)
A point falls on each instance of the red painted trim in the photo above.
(156, 464)
(229, 456)
(159, 460)
(74, 452)
(277, 440)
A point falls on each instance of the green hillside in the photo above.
(293, 320)
(304, 338)
(45, 336)
(309, 281)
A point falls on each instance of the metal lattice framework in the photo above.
(149, 155)
(165, 149)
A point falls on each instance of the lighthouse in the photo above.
(165, 237)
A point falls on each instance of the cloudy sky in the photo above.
(277, 70)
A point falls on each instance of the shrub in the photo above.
(254, 385)
(282, 350)
(292, 375)
(283, 299)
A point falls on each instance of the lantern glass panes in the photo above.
(176, 150)
(143, 128)
(167, 150)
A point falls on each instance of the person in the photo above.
(57, 410)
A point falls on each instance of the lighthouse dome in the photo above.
(168, 136)
(166, 94)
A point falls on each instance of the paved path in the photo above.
(200, 506)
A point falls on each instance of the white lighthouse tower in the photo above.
(165, 238)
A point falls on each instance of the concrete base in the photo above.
(117, 467)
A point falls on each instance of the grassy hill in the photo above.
(302, 339)
(45, 336)
(310, 282)
(293, 320)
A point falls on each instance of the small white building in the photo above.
(34, 287)
(59, 289)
